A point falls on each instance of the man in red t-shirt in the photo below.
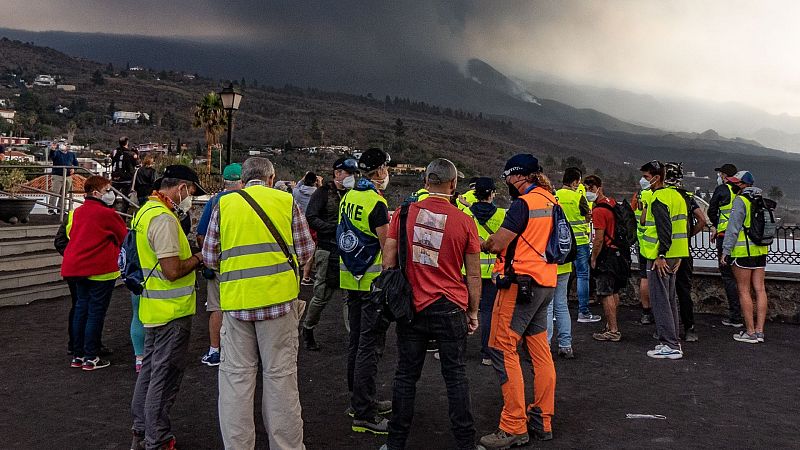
(440, 241)
(609, 264)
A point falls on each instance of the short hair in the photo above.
(593, 180)
(147, 161)
(654, 168)
(167, 183)
(310, 179)
(229, 184)
(95, 183)
(257, 168)
(571, 175)
(123, 141)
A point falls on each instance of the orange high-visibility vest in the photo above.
(529, 255)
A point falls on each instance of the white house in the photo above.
(62, 109)
(44, 80)
(14, 155)
(11, 140)
(8, 114)
(66, 87)
(129, 117)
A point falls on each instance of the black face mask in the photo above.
(735, 188)
(513, 191)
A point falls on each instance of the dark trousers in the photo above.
(73, 294)
(368, 327)
(166, 353)
(664, 301)
(89, 315)
(729, 283)
(683, 287)
(488, 293)
(445, 322)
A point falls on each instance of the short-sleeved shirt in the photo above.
(162, 234)
(516, 219)
(603, 219)
(202, 225)
(439, 236)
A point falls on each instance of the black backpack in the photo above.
(762, 219)
(130, 267)
(624, 224)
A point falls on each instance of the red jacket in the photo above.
(94, 240)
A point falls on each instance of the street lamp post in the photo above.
(230, 102)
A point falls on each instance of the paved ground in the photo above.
(722, 394)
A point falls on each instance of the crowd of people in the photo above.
(471, 267)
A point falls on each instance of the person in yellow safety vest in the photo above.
(665, 242)
(465, 200)
(719, 212)
(256, 240)
(749, 260)
(488, 219)
(167, 303)
(576, 208)
(639, 204)
(582, 189)
(367, 211)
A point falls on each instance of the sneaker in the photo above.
(138, 365)
(588, 318)
(307, 281)
(566, 352)
(210, 359)
(760, 336)
(647, 318)
(170, 445)
(691, 336)
(309, 341)
(96, 363)
(486, 362)
(377, 425)
(735, 323)
(608, 335)
(744, 336)
(76, 362)
(436, 356)
(433, 346)
(665, 352)
(502, 440)
(138, 442)
(382, 407)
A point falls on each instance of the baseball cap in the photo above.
(372, 159)
(742, 176)
(346, 163)
(728, 169)
(484, 185)
(440, 171)
(181, 172)
(523, 164)
(232, 172)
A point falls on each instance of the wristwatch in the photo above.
(662, 256)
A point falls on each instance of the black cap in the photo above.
(484, 185)
(471, 182)
(347, 163)
(523, 164)
(728, 169)
(181, 172)
(372, 159)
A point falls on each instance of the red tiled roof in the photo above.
(42, 183)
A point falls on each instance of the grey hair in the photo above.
(230, 184)
(167, 183)
(257, 168)
(441, 171)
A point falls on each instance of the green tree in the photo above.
(399, 129)
(315, 132)
(210, 116)
(97, 78)
(549, 162)
(573, 161)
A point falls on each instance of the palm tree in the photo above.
(210, 116)
(72, 127)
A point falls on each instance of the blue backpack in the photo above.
(561, 245)
(357, 249)
(130, 268)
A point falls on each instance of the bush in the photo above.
(11, 179)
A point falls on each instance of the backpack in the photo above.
(762, 219)
(130, 268)
(625, 224)
(357, 249)
(561, 245)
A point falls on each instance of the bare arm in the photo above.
(174, 267)
(701, 221)
(498, 241)
(390, 253)
(472, 263)
(382, 232)
(597, 244)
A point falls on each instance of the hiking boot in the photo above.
(744, 336)
(502, 440)
(588, 318)
(691, 336)
(760, 336)
(376, 425)
(607, 335)
(210, 359)
(735, 323)
(76, 362)
(307, 281)
(540, 435)
(647, 318)
(665, 352)
(309, 341)
(138, 442)
(94, 364)
(382, 407)
(566, 352)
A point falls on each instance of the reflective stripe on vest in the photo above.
(744, 246)
(358, 205)
(570, 201)
(494, 223)
(725, 211)
(254, 272)
(676, 205)
(162, 300)
(531, 246)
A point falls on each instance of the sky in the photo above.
(718, 50)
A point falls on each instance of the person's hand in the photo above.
(661, 266)
(472, 322)
(713, 237)
(593, 262)
(723, 260)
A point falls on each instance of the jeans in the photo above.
(137, 328)
(166, 353)
(488, 293)
(445, 322)
(92, 302)
(559, 307)
(729, 283)
(582, 274)
(367, 332)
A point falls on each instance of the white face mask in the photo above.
(382, 184)
(109, 198)
(186, 203)
(719, 180)
(644, 183)
(591, 196)
(349, 182)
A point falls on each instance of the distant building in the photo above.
(8, 114)
(129, 117)
(136, 69)
(11, 140)
(92, 165)
(44, 80)
(154, 148)
(14, 155)
(66, 87)
(62, 109)
(406, 169)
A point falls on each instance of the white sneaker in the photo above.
(665, 352)
(588, 318)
